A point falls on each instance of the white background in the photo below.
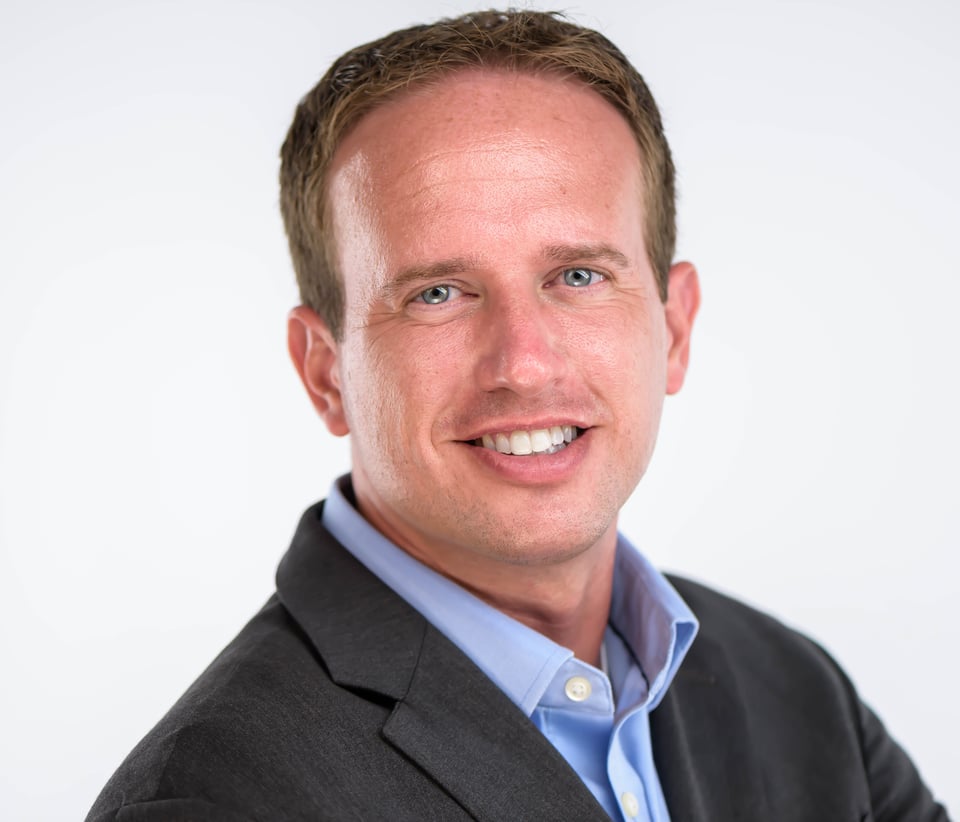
(156, 448)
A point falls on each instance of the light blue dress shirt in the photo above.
(597, 719)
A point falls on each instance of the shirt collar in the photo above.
(655, 623)
(646, 611)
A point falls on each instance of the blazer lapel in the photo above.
(702, 743)
(367, 636)
(448, 718)
(460, 728)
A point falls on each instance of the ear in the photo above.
(315, 355)
(683, 300)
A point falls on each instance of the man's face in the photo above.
(489, 231)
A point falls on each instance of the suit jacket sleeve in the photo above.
(896, 789)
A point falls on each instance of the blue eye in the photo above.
(579, 277)
(436, 294)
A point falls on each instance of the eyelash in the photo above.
(421, 297)
(595, 276)
(452, 290)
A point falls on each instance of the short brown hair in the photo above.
(367, 76)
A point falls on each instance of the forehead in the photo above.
(485, 112)
(478, 161)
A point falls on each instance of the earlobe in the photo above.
(683, 301)
(315, 355)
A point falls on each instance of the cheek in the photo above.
(623, 343)
(368, 394)
(393, 390)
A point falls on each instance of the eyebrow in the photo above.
(425, 273)
(589, 251)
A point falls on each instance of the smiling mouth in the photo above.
(535, 441)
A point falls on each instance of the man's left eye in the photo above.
(578, 277)
(437, 294)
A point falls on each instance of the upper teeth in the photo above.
(536, 441)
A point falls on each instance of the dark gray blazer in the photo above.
(338, 701)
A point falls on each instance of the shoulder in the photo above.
(244, 733)
(752, 638)
(786, 678)
(803, 717)
(722, 612)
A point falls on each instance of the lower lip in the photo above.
(534, 469)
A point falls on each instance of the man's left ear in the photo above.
(683, 300)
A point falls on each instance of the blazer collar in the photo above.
(448, 716)
(702, 742)
(367, 636)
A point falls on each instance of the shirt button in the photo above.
(630, 805)
(578, 688)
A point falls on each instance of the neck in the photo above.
(573, 613)
(567, 601)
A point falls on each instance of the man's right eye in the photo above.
(437, 294)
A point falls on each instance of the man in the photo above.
(481, 217)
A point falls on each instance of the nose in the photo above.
(521, 348)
